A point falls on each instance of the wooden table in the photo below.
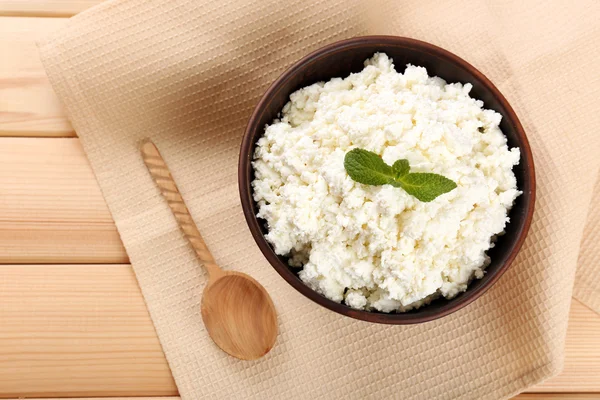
(73, 322)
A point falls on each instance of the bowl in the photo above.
(339, 60)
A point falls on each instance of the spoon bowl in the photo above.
(239, 315)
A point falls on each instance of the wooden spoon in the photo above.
(237, 311)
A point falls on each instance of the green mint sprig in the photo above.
(368, 168)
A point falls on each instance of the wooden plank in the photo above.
(51, 208)
(45, 8)
(83, 330)
(77, 331)
(28, 105)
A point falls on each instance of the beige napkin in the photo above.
(188, 74)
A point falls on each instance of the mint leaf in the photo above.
(426, 187)
(400, 168)
(367, 167)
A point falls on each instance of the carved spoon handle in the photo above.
(162, 177)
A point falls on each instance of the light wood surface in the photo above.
(77, 330)
(118, 398)
(237, 311)
(45, 8)
(51, 208)
(28, 105)
(83, 330)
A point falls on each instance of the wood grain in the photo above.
(51, 208)
(158, 169)
(28, 105)
(110, 398)
(77, 330)
(83, 330)
(45, 8)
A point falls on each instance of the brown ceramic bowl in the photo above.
(339, 60)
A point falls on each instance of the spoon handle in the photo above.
(162, 177)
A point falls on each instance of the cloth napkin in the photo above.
(188, 74)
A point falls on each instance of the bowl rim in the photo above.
(245, 190)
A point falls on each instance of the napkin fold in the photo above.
(188, 74)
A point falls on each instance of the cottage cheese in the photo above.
(377, 247)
